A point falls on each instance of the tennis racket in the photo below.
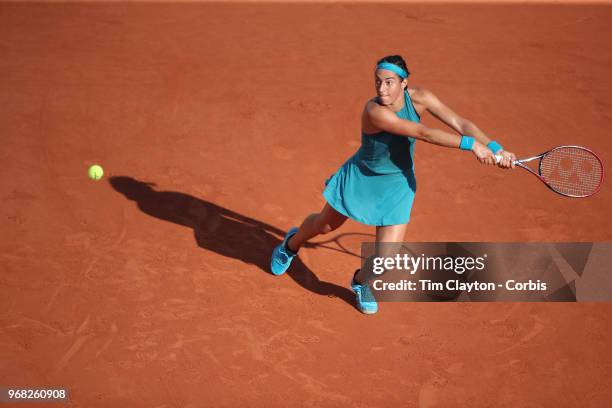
(571, 171)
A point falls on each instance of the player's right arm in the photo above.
(384, 119)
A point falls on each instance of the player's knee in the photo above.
(328, 227)
(327, 224)
(325, 229)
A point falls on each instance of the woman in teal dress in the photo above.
(376, 186)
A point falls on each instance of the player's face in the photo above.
(389, 86)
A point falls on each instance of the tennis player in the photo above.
(376, 186)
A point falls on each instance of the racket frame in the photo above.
(539, 173)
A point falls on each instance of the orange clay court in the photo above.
(217, 125)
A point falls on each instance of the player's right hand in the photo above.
(483, 153)
(505, 159)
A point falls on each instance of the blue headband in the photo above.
(393, 68)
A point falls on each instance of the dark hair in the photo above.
(397, 60)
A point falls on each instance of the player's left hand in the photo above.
(507, 159)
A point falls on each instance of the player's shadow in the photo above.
(222, 231)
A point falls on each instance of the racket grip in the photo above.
(498, 158)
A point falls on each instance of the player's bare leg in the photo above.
(322, 223)
(315, 224)
(387, 233)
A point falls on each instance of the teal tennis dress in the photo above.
(376, 186)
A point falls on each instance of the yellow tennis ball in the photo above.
(95, 172)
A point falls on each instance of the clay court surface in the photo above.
(217, 125)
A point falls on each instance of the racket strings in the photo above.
(572, 171)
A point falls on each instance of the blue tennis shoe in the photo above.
(366, 303)
(282, 256)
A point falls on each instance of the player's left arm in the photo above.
(460, 124)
